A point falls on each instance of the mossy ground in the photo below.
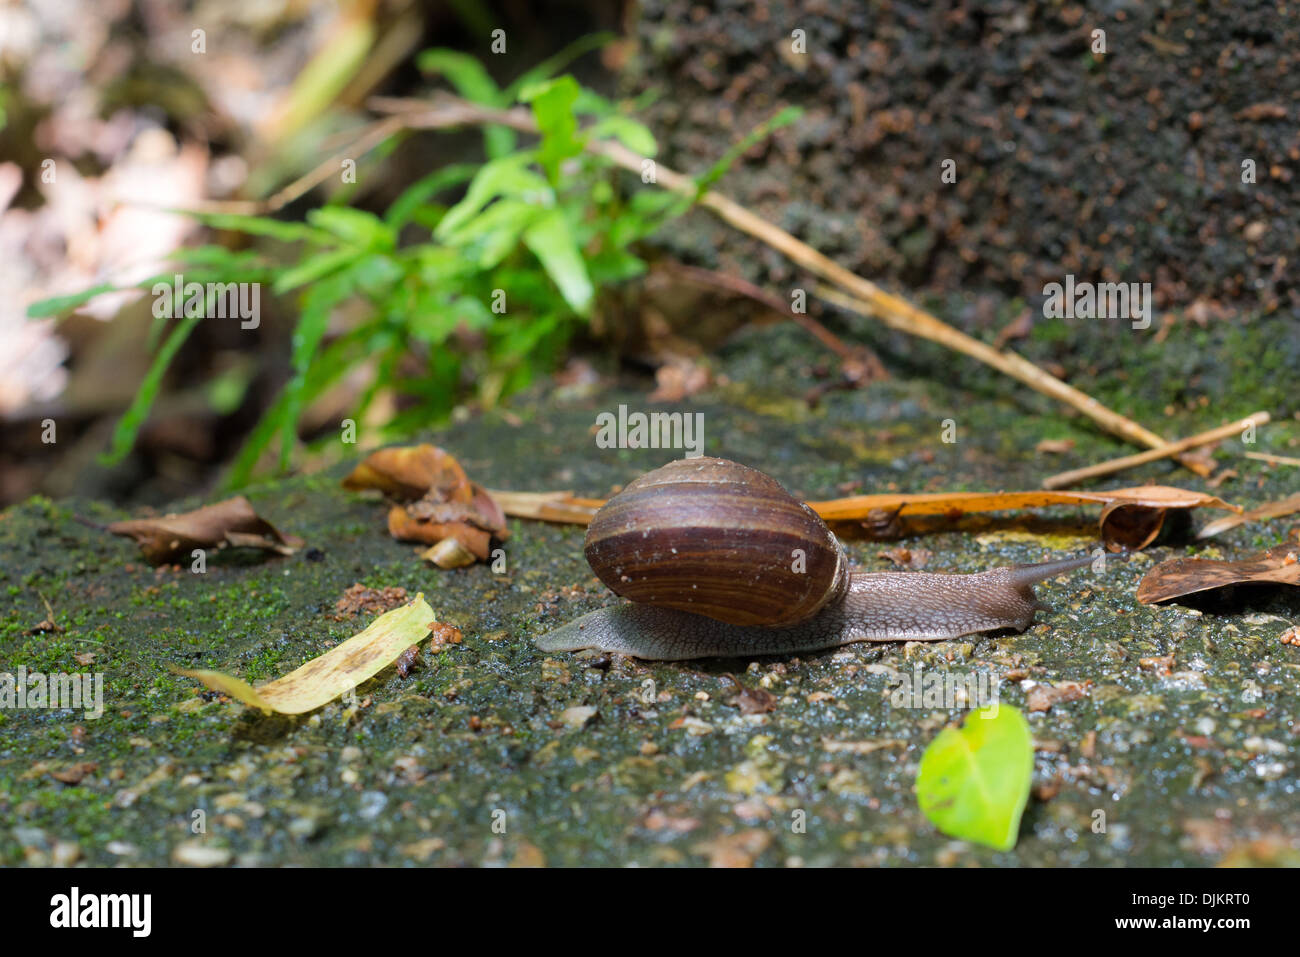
(469, 761)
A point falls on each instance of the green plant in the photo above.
(470, 299)
(973, 782)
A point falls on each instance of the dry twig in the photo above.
(1074, 476)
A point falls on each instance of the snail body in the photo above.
(718, 560)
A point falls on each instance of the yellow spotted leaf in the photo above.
(323, 679)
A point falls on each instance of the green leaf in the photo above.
(331, 364)
(635, 136)
(424, 189)
(219, 258)
(318, 303)
(974, 780)
(554, 64)
(491, 235)
(134, 417)
(354, 226)
(500, 177)
(551, 241)
(647, 211)
(552, 104)
(375, 274)
(259, 226)
(615, 265)
(313, 268)
(760, 132)
(592, 104)
(464, 72)
(57, 305)
(472, 82)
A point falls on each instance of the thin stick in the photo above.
(363, 142)
(446, 110)
(565, 508)
(901, 315)
(1272, 459)
(1075, 476)
(870, 365)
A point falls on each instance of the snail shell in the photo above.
(719, 539)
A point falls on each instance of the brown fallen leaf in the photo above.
(1131, 517)
(372, 601)
(228, 524)
(1164, 664)
(442, 635)
(407, 659)
(324, 678)
(734, 850)
(408, 472)
(449, 553)
(1042, 697)
(657, 820)
(911, 558)
(1286, 506)
(1279, 565)
(751, 700)
(679, 379)
(437, 503)
(75, 773)
(472, 523)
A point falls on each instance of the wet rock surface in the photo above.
(1164, 734)
(1118, 166)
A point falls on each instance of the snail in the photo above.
(718, 560)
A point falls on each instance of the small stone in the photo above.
(576, 718)
(31, 837)
(122, 848)
(1270, 770)
(1264, 745)
(194, 854)
(695, 727)
(424, 849)
(372, 804)
(65, 854)
(229, 800)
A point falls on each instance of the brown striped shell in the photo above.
(717, 538)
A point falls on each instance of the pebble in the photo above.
(577, 717)
(1264, 745)
(372, 804)
(194, 854)
(31, 837)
